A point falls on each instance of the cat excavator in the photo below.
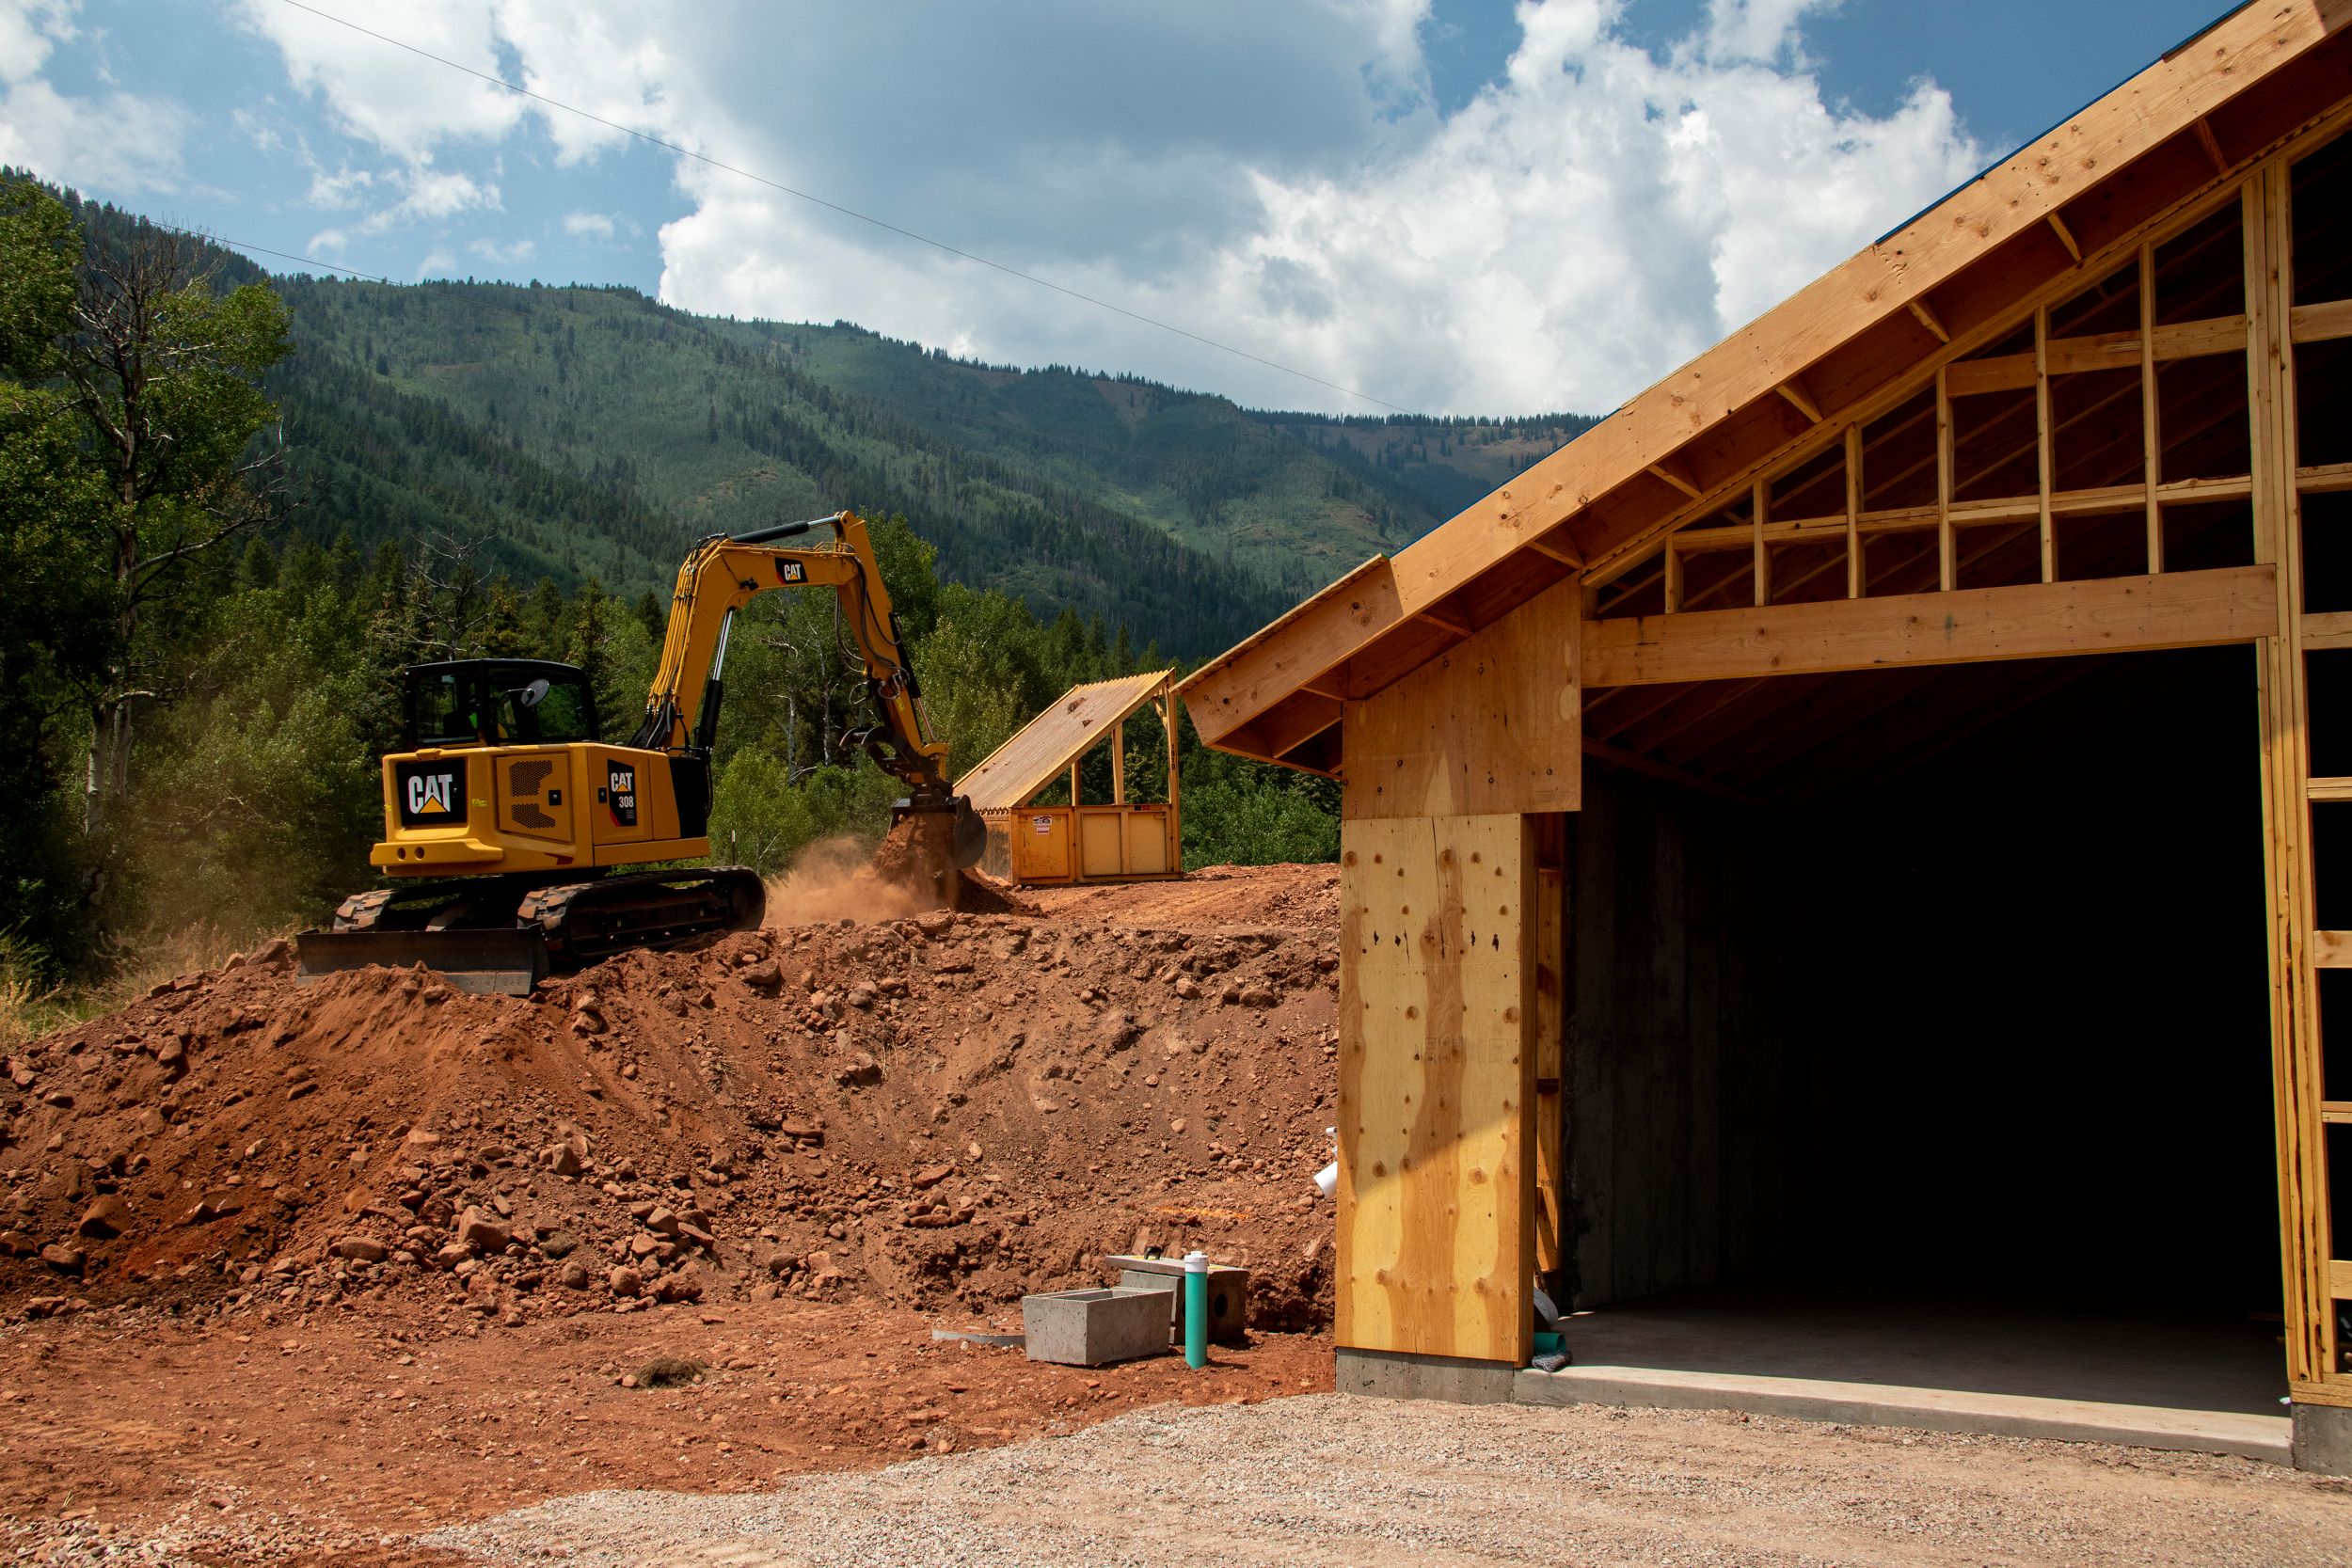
(508, 818)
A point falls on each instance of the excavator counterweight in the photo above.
(508, 818)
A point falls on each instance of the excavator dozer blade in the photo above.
(502, 962)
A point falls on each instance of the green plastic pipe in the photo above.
(1196, 1310)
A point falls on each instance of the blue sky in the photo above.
(1450, 205)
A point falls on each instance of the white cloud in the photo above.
(508, 254)
(591, 226)
(388, 96)
(29, 31)
(437, 263)
(341, 188)
(1273, 176)
(115, 139)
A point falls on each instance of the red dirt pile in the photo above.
(938, 1112)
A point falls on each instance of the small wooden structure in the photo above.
(1652, 758)
(1121, 841)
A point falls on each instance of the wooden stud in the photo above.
(1759, 498)
(1673, 589)
(1928, 318)
(1853, 512)
(1074, 787)
(2327, 629)
(2211, 143)
(2323, 322)
(2290, 927)
(2041, 620)
(2152, 450)
(2045, 440)
(1946, 564)
(1550, 934)
(1118, 761)
(1175, 806)
(1444, 623)
(2066, 237)
(1543, 546)
(1802, 401)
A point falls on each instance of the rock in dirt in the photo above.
(477, 1230)
(105, 1219)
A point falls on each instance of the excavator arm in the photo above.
(722, 576)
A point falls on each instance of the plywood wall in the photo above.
(1437, 1169)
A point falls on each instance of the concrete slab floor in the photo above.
(2208, 1383)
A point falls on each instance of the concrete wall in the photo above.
(1680, 1097)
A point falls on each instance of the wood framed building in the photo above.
(1882, 798)
(1122, 839)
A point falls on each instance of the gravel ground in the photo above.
(1330, 1479)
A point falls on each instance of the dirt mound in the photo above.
(945, 1109)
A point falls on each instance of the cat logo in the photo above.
(431, 793)
(427, 793)
(620, 793)
(791, 571)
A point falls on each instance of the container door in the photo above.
(1147, 842)
(1041, 845)
(1100, 852)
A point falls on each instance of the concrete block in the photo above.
(1398, 1375)
(1089, 1328)
(1228, 1294)
(2323, 1438)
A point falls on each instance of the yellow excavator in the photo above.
(507, 814)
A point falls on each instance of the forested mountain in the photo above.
(591, 431)
(569, 430)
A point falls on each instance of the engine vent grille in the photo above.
(524, 781)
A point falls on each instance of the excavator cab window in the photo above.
(440, 707)
(544, 711)
(483, 702)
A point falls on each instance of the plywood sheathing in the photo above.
(2110, 173)
(1041, 749)
(1436, 1200)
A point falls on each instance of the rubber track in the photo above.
(584, 921)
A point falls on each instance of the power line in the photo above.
(836, 207)
(281, 255)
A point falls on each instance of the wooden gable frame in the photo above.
(2077, 203)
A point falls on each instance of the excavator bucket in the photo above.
(502, 962)
(971, 841)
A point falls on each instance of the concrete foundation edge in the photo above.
(1533, 1387)
(1399, 1375)
(2323, 1438)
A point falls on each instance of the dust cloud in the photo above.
(844, 878)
